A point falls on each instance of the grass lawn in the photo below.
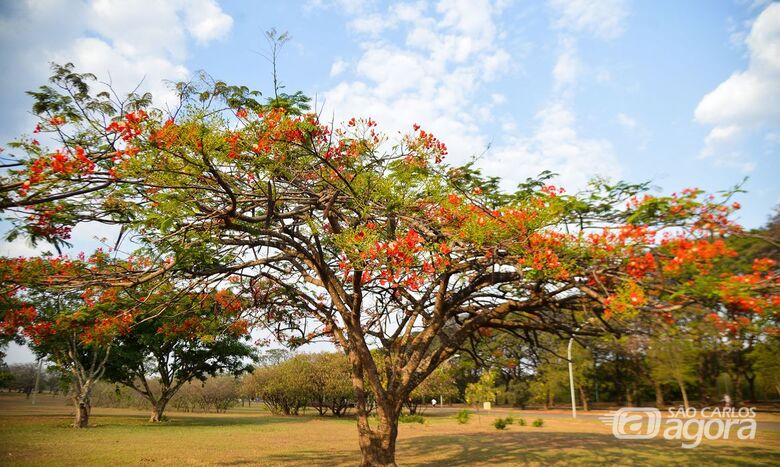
(40, 435)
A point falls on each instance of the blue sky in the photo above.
(681, 93)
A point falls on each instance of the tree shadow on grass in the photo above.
(304, 457)
(224, 420)
(571, 448)
(176, 419)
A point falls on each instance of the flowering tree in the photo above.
(73, 329)
(125, 334)
(342, 234)
(193, 336)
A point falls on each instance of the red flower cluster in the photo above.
(15, 319)
(59, 162)
(639, 266)
(130, 127)
(699, 253)
(166, 136)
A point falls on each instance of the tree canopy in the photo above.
(340, 232)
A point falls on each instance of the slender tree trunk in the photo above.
(737, 389)
(550, 400)
(584, 398)
(684, 393)
(751, 380)
(659, 394)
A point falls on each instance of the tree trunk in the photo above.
(684, 393)
(82, 413)
(751, 380)
(158, 409)
(378, 444)
(659, 394)
(737, 389)
(584, 398)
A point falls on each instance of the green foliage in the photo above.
(483, 390)
(500, 423)
(440, 383)
(766, 363)
(463, 416)
(521, 421)
(538, 423)
(185, 337)
(673, 359)
(411, 419)
(318, 380)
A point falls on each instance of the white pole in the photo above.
(37, 379)
(571, 383)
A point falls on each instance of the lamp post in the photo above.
(571, 378)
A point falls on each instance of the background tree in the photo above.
(483, 390)
(191, 337)
(331, 388)
(767, 363)
(672, 359)
(285, 388)
(74, 329)
(20, 377)
(439, 385)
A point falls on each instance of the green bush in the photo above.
(500, 424)
(463, 416)
(521, 421)
(538, 422)
(411, 419)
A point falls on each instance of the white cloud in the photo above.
(722, 142)
(338, 67)
(567, 66)
(124, 42)
(625, 121)
(498, 98)
(371, 24)
(557, 146)
(749, 98)
(752, 96)
(556, 143)
(206, 21)
(438, 75)
(602, 18)
(719, 137)
(431, 77)
(21, 247)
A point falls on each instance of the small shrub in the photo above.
(538, 422)
(463, 416)
(500, 424)
(509, 420)
(411, 419)
(521, 421)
